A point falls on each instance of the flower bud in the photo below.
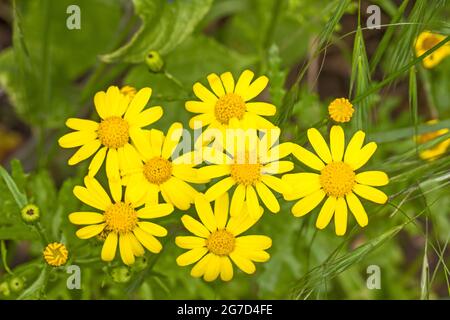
(140, 264)
(16, 284)
(30, 213)
(154, 61)
(121, 274)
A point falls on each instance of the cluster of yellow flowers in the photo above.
(238, 150)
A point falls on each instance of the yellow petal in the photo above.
(90, 231)
(302, 184)
(372, 178)
(253, 255)
(308, 203)
(157, 140)
(147, 240)
(243, 263)
(255, 88)
(152, 228)
(97, 161)
(212, 269)
(261, 108)
(151, 211)
(81, 124)
(370, 193)
(147, 117)
(326, 213)
(252, 202)
(318, 143)
(112, 100)
(277, 152)
(199, 107)
(243, 83)
(307, 157)
(340, 217)
(215, 171)
(204, 94)
(201, 120)
(219, 188)
(226, 269)
(242, 222)
(171, 193)
(355, 144)
(190, 242)
(126, 252)
(337, 143)
(267, 197)
(84, 152)
(191, 256)
(278, 167)
(216, 84)
(227, 81)
(86, 217)
(172, 139)
(97, 190)
(237, 200)
(101, 105)
(357, 209)
(141, 142)
(200, 267)
(205, 213)
(109, 247)
(136, 247)
(138, 103)
(254, 242)
(77, 138)
(276, 184)
(194, 226)
(85, 196)
(221, 210)
(364, 155)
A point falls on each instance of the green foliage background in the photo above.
(51, 73)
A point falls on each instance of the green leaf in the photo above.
(20, 198)
(4, 260)
(35, 290)
(165, 25)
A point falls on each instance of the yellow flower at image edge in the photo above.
(121, 119)
(426, 41)
(337, 179)
(56, 254)
(162, 171)
(251, 167)
(229, 103)
(341, 110)
(216, 240)
(119, 221)
(437, 150)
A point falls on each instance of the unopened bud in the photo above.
(154, 61)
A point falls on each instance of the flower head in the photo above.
(122, 120)
(251, 166)
(341, 110)
(120, 221)
(229, 104)
(216, 240)
(437, 150)
(30, 213)
(426, 41)
(56, 254)
(157, 169)
(337, 179)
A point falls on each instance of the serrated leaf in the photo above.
(164, 26)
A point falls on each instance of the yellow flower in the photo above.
(336, 180)
(120, 121)
(56, 254)
(120, 219)
(216, 241)
(427, 40)
(252, 167)
(341, 110)
(228, 104)
(436, 150)
(160, 170)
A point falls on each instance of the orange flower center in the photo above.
(229, 106)
(113, 132)
(337, 179)
(158, 170)
(220, 242)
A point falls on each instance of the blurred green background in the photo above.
(312, 52)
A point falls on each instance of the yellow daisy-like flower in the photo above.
(341, 110)
(160, 170)
(438, 149)
(56, 254)
(336, 180)
(426, 41)
(110, 139)
(120, 219)
(216, 241)
(251, 167)
(229, 104)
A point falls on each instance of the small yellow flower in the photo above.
(438, 149)
(337, 179)
(251, 167)
(341, 110)
(426, 41)
(216, 240)
(128, 91)
(56, 254)
(229, 104)
(161, 170)
(121, 219)
(110, 138)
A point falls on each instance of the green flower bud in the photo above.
(121, 274)
(4, 289)
(16, 284)
(30, 213)
(154, 61)
(140, 264)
